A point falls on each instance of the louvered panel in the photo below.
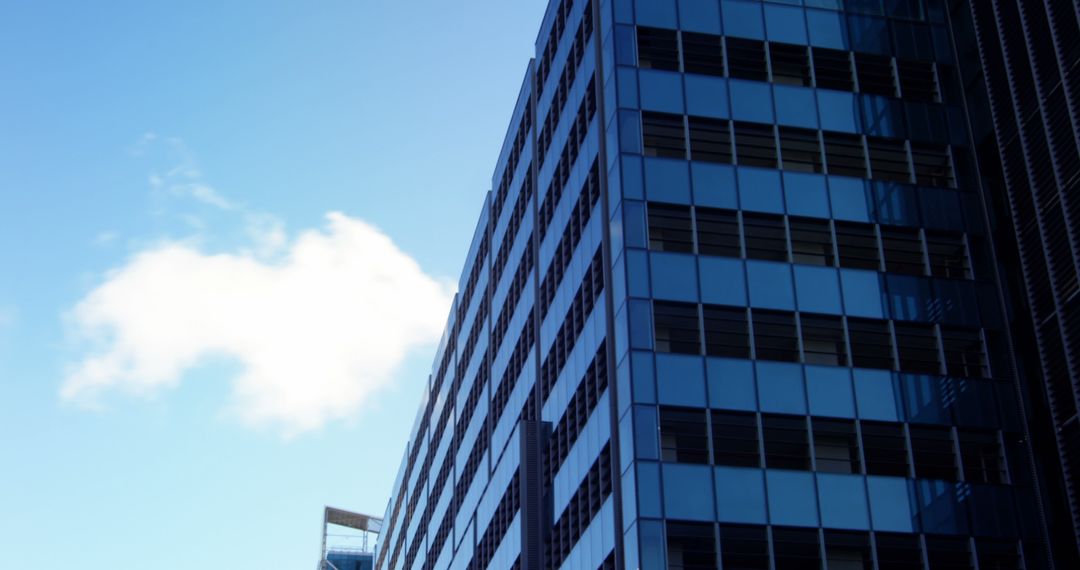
(1062, 141)
(1016, 58)
(1042, 299)
(1056, 371)
(1055, 233)
(1040, 45)
(1070, 454)
(1070, 325)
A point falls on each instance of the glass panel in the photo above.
(786, 445)
(735, 439)
(657, 49)
(740, 495)
(690, 546)
(676, 328)
(670, 228)
(680, 504)
(792, 499)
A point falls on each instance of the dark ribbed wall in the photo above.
(1020, 61)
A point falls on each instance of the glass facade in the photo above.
(348, 561)
(730, 304)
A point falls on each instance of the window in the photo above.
(948, 255)
(875, 74)
(755, 145)
(774, 336)
(857, 245)
(917, 80)
(871, 343)
(662, 135)
(790, 64)
(916, 346)
(844, 154)
(765, 237)
(898, 551)
(683, 435)
(932, 450)
(997, 555)
(800, 150)
(948, 553)
(980, 454)
(848, 551)
(965, 355)
(718, 232)
(903, 250)
(823, 340)
(710, 140)
(885, 449)
(932, 165)
(702, 53)
(658, 49)
(676, 328)
(832, 68)
(796, 548)
(746, 59)
(690, 546)
(888, 159)
(726, 332)
(786, 446)
(744, 547)
(670, 228)
(735, 439)
(836, 448)
(811, 241)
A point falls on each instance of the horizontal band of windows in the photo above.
(808, 241)
(699, 546)
(786, 336)
(765, 145)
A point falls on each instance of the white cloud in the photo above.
(316, 333)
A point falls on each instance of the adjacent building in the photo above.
(1021, 61)
(734, 301)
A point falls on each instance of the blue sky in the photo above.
(200, 200)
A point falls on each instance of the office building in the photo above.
(732, 302)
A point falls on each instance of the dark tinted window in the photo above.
(726, 332)
(790, 64)
(832, 68)
(836, 447)
(710, 140)
(823, 340)
(885, 449)
(735, 439)
(662, 134)
(800, 150)
(683, 436)
(811, 241)
(718, 232)
(746, 59)
(744, 547)
(786, 445)
(658, 49)
(676, 326)
(755, 145)
(871, 343)
(766, 237)
(691, 546)
(670, 228)
(858, 246)
(774, 336)
(932, 449)
(702, 53)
